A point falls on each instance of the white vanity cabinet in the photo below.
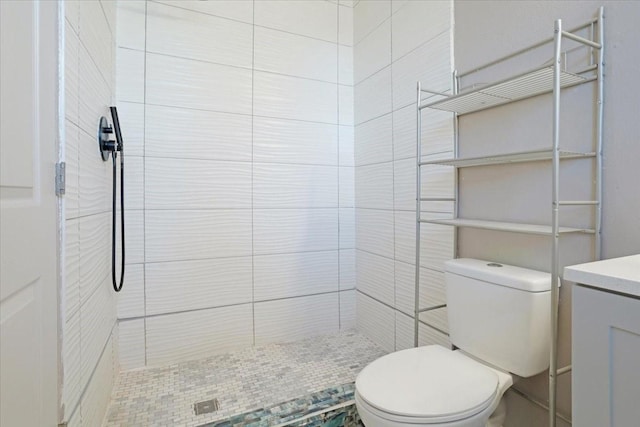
(606, 342)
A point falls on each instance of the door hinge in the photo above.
(60, 178)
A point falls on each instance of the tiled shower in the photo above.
(241, 185)
(253, 196)
(269, 152)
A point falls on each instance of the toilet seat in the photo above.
(426, 385)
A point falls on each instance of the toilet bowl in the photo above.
(498, 318)
(430, 386)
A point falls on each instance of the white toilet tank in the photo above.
(500, 314)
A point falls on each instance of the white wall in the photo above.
(238, 125)
(397, 43)
(489, 29)
(89, 344)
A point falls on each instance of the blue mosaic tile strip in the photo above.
(314, 410)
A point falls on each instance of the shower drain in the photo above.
(206, 406)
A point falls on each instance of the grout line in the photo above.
(338, 156)
(252, 302)
(253, 58)
(247, 23)
(393, 181)
(240, 67)
(422, 266)
(169, 261)
(235, 113)
(396, 310)
(144, 186)
(93, 371)
(248, 162)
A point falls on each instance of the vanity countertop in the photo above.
(616, 275)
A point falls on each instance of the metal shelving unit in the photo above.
(552, 79)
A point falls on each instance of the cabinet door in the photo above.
(606, 359)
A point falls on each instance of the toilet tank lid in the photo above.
(501, 274)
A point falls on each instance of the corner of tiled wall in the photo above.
(397, 43)
(89, 357)
(238, 121)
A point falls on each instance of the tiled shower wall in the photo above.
(238, 125)
(397, 43)
(89, 343)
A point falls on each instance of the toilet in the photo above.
(499, 323)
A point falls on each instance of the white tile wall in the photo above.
(376, 320)
(285, 53)
(294, 98)
(345, 105)
(89, 304)
(240, 179)
(185, 83)
(131, 343)
(374, 186)
(293, 319)
(404, 334)
(179, 32)
(95, 253)
(345, 65)
(172, 235)
(97, 395)
(294, 230)
(316, 19)
(239, 10)
(94, 176)
(283, 276)
(288, 141)
(372, 96)
(131, 24)
(346, 187)
(347, 228)
(71, 58)
(374, 231)
(418, 22)
(437, 131)
(183, 336)
(130, 75)
(347, 269)
(134, 180)
(348, 309)
(345, 26)
(131, 116)
(374, 142)
(375, 276)
(367, 15)
(436, 240)
(131, 298)
(211, 184)
(72, 390)
(345, 144)
(192, 134)
(190, 285)
(294, 186)
(396, 44)
(374, 52)
(97, 318)
(427, 63)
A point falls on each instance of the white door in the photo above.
(28, 214)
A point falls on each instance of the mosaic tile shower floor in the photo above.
(246, 381)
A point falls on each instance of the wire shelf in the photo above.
(544, 230)
(524, 86)
(525, 156)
